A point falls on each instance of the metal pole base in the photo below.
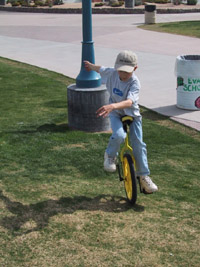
(82, 106)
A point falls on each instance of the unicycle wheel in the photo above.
(130, 182)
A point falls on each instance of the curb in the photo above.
(98, 10)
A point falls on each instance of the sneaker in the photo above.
(109, 163)
(147, 185)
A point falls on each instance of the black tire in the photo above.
(130, 181)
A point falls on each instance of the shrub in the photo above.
(49, 3)
(24, 3)
(99, 4)
(158, 1)
(14, 3)
(191, 2)
(176, 2)
(161, 1)
(138, 2)
(117, 4)
(39, 3)
(58, 2)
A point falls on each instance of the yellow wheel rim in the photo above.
(127, 179)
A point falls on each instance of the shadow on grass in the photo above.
(48, 127)
(153, 116)
(53, 128)
(41, 212)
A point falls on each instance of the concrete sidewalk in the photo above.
(53, 41)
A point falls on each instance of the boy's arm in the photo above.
(89, 66)
(105, 110)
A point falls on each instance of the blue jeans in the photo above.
(136, 139)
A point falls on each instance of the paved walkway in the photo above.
(53, 41)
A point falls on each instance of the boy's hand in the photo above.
(88, 65)
(104, 110)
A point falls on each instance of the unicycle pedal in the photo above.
(142, 190)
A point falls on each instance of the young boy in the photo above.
(124, 86)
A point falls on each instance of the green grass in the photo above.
(187, 28)
(57, 205)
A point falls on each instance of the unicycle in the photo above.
(126, 164)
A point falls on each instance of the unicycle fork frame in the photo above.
(125, 149)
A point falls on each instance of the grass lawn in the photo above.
(188, 28)
(57, 205)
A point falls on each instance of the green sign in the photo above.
(191, 84)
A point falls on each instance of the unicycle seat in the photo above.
(126, 120)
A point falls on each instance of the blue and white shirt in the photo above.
(120, 91)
